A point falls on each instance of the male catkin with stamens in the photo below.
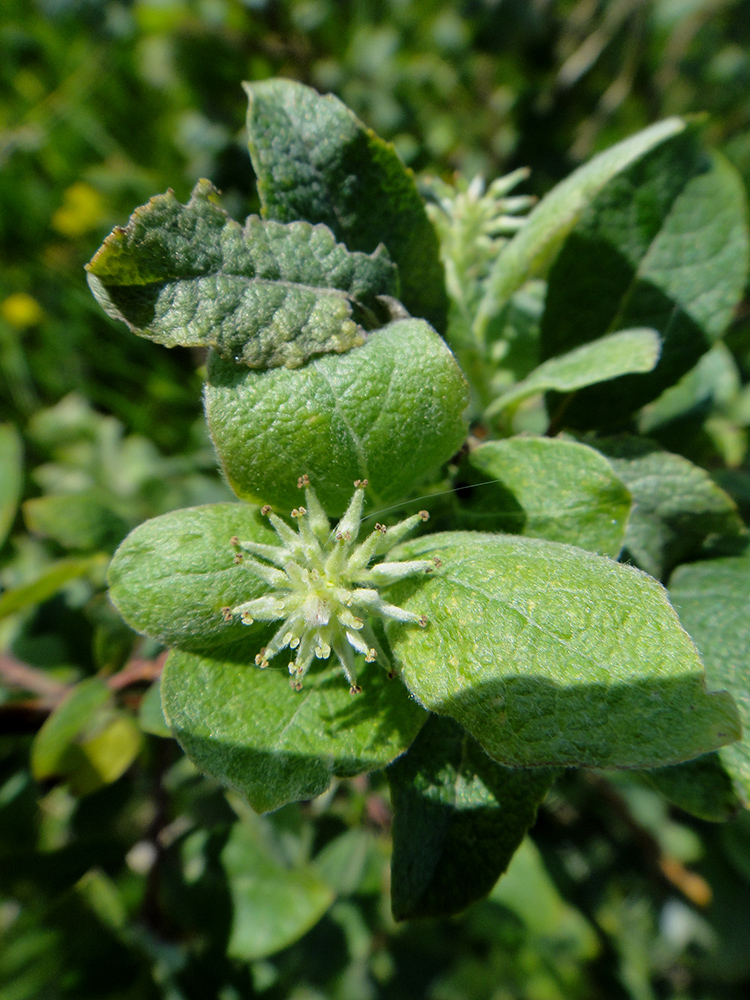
(324, 585)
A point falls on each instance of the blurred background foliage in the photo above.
(123, 873)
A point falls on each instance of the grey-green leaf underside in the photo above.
(264, 295)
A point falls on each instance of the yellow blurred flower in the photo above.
(21, 310)
(83, 209)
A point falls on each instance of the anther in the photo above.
(361, 484)
(227, 613)
(423, 621)
(237, 559)
(424, 515)
(381, 528)
(234, 540)
(265, 509)
(355, 689)
(303, 481)
(246, 619)
(371, 656)
(438, 562)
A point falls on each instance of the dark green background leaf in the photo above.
(315, 160)
(458, 819)
(713, 601)
(677, 507)
(663, 245)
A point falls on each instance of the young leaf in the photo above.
(172, 575)
(615, 354)
(264, 296)
(677, 507)
(11, 477)
(85, 741)
(712, 600)
(50, 581)
(550, 655)
(75, 520)
(391, 412)
(532, 250)
(315, 160)
(249, 729)
(559, 490)
(458, 819)
(273, 905)
(665, 245)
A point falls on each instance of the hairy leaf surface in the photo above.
(391, 412)
(248, 728)
(545, 488)
(264, 295)
(315, 160)
(550, 655)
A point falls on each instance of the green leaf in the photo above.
(712, 600)
(701, 787)
(47, 584)
(172, 575)
(249, 729)
(612, 355)
(664, 245)
(315, 160)
(550, 655)
(528, 891)
(458, 819)
(544, 488)
(85, 741)
(264, 296)
(532, 250)
(76, 521)
(677, 507)
(391, 412)
(150, 715)
(11, 477)
(273, 904)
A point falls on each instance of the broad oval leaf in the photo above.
(315, 160)
(172, 575)
(248, 728)
(391, 412)
(615, 354)
(544, 488)
(711, 598)
(532, 250)
(550, 655)
(665, 245)
(264, 295)
(273, 904)
(677, 507)
(458, 819)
